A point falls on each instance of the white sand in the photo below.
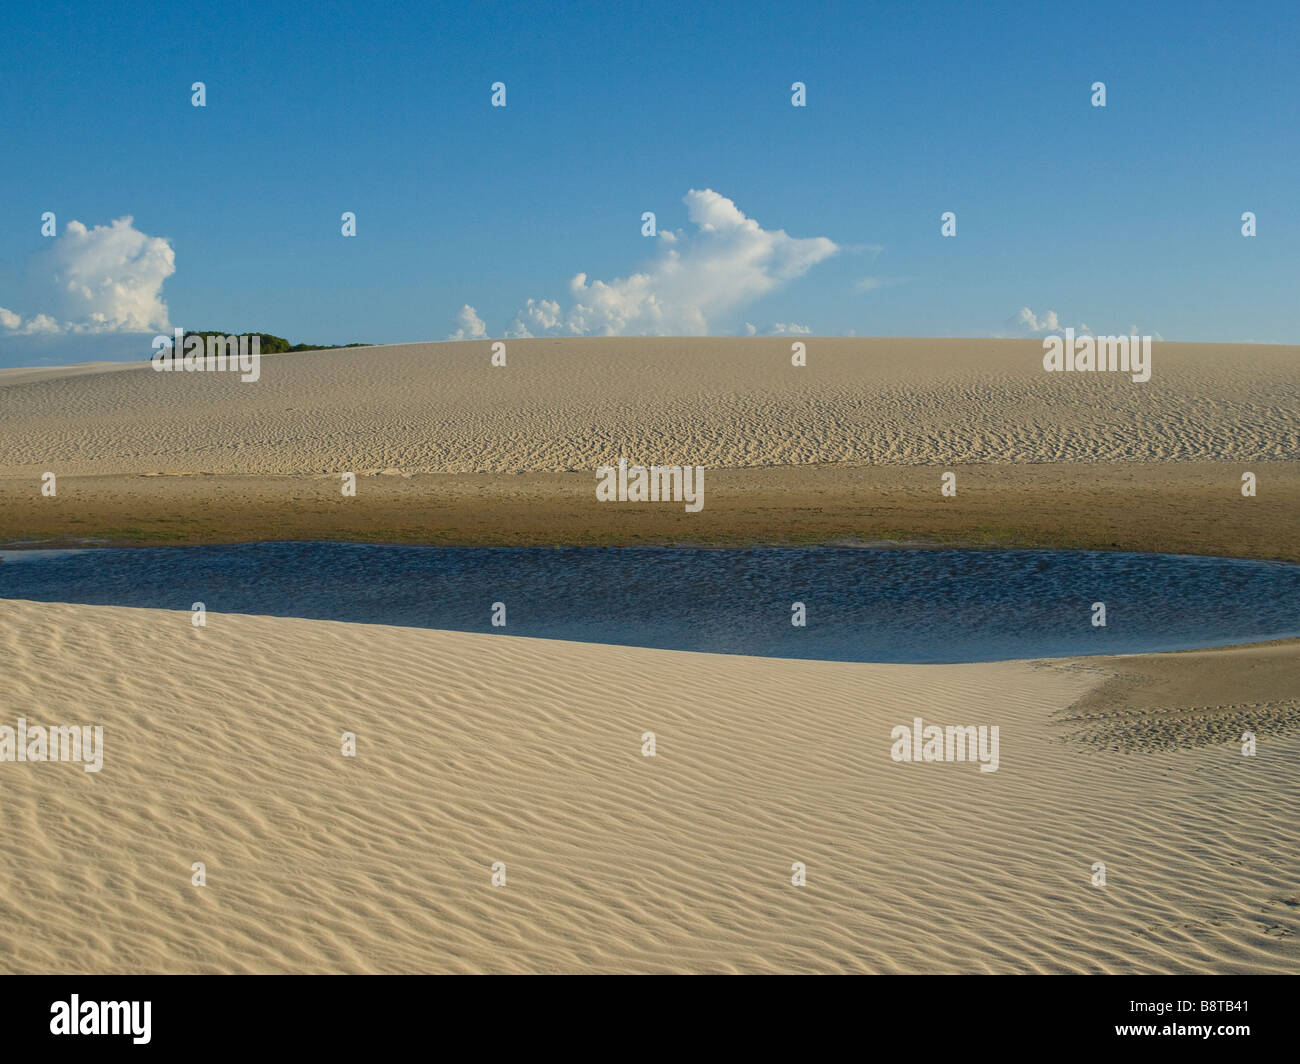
(223, 746)
(566, 404)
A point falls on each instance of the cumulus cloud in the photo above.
(1025, 321)
(16, 325)
(1028, 321)
(779, 328)
(727, 263)
(101, 280)
(544, 315)
(471, 326)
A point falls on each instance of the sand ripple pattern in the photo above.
(222, 745)
(575, 404)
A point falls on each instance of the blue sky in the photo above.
(1105, 217)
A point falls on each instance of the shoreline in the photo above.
(1192, 697)
(225, 744)
(1192, 508)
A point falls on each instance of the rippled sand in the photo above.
(223, 746)
(448, 449)
(574, 404)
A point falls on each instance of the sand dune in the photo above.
(573, 404)
(451, 450)
(222, 745)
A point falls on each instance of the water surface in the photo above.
(889, 605)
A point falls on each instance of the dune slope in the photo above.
(222, 745)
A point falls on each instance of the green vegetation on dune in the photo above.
(269, 345)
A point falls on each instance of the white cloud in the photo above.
(471, 326)
(544, 315)
(13, 323)
(1027, 320)
(110, 278)
(694, 279)
(101, 280)
(781, 328)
